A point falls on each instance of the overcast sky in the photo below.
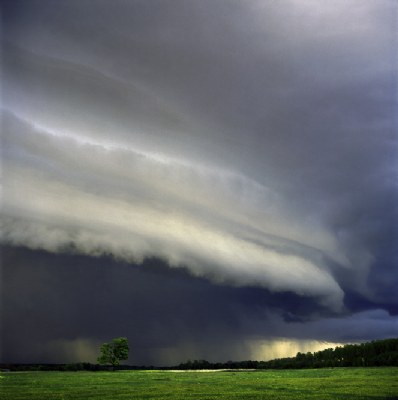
(212, 179)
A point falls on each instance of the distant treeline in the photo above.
(371, 354)
(81, 366)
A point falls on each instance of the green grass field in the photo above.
(337, 383)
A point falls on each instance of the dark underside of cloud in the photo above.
(212, 179)
(59, 308)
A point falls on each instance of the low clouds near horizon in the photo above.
(252, 145)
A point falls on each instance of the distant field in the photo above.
(334, 383)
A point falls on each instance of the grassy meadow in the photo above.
(333, 383)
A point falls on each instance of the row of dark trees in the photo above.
(371, 354)
(81, 366)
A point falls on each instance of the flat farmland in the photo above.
(334, 383)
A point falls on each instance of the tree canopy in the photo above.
(113, 352)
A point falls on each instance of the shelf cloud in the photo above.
(250, 145)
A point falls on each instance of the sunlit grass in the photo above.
(337, 383)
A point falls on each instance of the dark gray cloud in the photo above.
(59, 304)
(252, 145)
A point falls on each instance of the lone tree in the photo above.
(115, 351)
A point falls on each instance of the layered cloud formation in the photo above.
(100, 199)
(253, 144)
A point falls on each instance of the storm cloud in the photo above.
(249, 148)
